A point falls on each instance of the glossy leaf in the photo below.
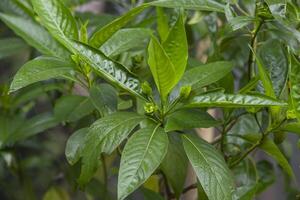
(57, 18)
(163, 70)
(71, 108)
(11, 46)
(74, 145)
(188, 119)
(240, 22)
(104, 136)
(176, 47)
(162, 23)
(233, 100)
(124, 40)
(210, 168)
(205, 5)
(102, 35)
(206, 74)
(295, 85)
(142, 154)
(35, 35)
(39, 69)
(105, 99)
(112, 71)
(175, 157)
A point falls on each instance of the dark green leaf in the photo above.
(35, 35)
(142, 154)
(40, 69)
(233, 100)
(206, 5)
(11, 46)
(188, 119)
(210, 167)
(72, 108)
(175, 157)
(105, 99)
(74, 145)
(104, 136)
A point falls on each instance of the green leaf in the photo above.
(241, 21)
(35, 35)
(142, 154)
(218, 99)
(189, 118)
(57, 18)
(105, 99)
(102, 35)
(72, 108)
(74, 145)
(162, 68)
(273, 57)
(162, 23)
(292, 127)
(206, 74)
(151, 195)
(112, 71)
(205, 5)
(175, 157)
(104, 136)
(210, 168)
(11, 46)
(272, 150)
(295, 85)
(124, 40)
(57, 193)
(16, 7)
(250, 85)
(176, 47)
(40, 69)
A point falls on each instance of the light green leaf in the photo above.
(57, 18)
(11, 46)
(57, 193)
(72, 108)
(188, 119)
(16, 7)
(105, 99)
(104, 136)
(74, 145)
(110, 70)
(162, 23)
(295, 85)
(142, 154)
(162, 68)
(176, 47)
(124, 40)
(175, 157)
(233, 100)
(210, 168)
(35, 35)
(292, 127)
(205, 5)
(40, 69)
(206, 74)
(272, 150)
(102, 35)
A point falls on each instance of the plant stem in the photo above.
(252, 43)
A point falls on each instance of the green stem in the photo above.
(252, 44)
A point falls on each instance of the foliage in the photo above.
(133, 93)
